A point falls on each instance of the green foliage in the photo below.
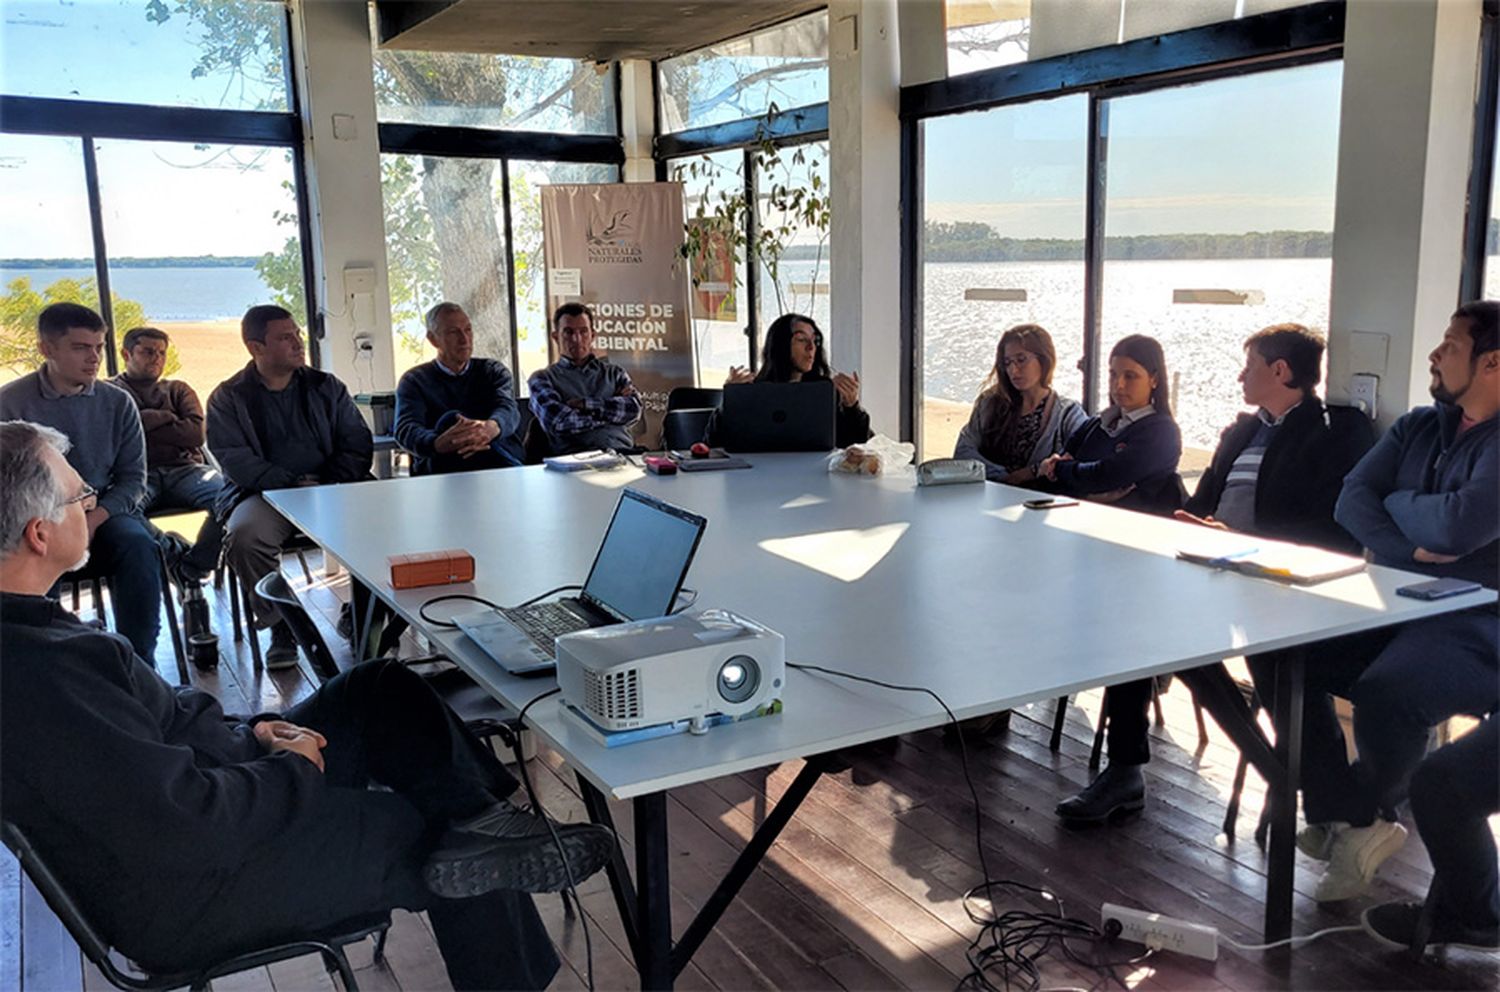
(21, 305)
(722, 219)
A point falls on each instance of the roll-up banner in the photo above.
(616, 247)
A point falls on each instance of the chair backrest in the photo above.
(94, 946)
(535, 444)
(696, 397)
(274, 588)
(685, 427)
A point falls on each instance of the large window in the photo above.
(781, 67)
(1001, 246)
(218, 54)
(1218, 222)
(194, 228)
(720, 313)
(1492, 225)
(793, 196)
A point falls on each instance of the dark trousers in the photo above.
(1127, 709)
(1453, 794)
(190, 487)
(385, 726)
(1403, 681)
(124, 550)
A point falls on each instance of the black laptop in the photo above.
(779, 416)
(637, 574)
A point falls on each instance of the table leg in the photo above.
(1290, 681)
(617, 870)
(653, 892)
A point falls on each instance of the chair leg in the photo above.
(1055, 744)
(1423, 931)
(254, 635)
(177, 646)
(97, 591)
(1202, 724)
(380, 944)
(1096, 753)
(1161, 720)
(234, 605)
(338, 962)
(1232, 811)
(306, 572)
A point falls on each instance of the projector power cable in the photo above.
(1011, 942)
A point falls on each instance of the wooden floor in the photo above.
(863, 890)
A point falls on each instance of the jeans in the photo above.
(190, 487)
(384, 726)
(1453, 794)
(124, 549)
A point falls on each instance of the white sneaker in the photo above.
(1316, 839)
(1354, 857)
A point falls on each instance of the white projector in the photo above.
(685, 667)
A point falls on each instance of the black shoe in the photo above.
(345, 624)
(1395, 924)
(507, 847)
(1119, 789)
(283, 650)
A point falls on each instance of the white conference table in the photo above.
(958, 589)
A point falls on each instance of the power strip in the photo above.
(1158, 932)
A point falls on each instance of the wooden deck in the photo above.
(863, 890)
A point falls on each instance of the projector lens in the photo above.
(739, 678)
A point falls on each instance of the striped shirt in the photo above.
(1236, 509)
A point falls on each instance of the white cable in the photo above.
(1294, 941)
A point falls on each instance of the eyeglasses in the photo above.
(87, 496)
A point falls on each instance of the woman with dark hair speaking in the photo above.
(1128, 454)
(794, 353)
(1018, 420)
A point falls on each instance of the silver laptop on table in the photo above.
(637, 574)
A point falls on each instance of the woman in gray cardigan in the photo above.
(1018, 420)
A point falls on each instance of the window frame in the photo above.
(1483, 167)
(505, 147)
(1279, 39)
(87, 120)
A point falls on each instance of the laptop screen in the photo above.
(644, 558)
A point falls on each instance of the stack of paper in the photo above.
(578, 461)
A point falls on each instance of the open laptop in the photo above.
(779, 416)
(637, 574)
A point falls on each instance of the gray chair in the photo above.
(127, 975)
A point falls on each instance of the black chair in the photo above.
(98, 580)
(239, 594)
(534, 444)
(685, 427)
(330, 944)
(694, 397)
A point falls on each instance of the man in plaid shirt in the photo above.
(582, 402)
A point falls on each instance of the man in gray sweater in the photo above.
(580, 400)
(108, 451)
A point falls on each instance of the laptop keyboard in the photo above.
(546, 621)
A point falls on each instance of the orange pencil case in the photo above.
(431, 568)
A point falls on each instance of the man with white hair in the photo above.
(189, 838)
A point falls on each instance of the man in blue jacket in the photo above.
(188, 837)
(1427, 499)
(456, 413)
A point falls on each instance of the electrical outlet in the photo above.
(1160, 932)
(363, 343)
(1362, 393)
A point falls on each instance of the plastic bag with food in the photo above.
(878, 456)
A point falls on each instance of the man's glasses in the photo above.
(87, 496)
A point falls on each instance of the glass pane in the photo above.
(1210, 235)
(985, 33)
(1002, 245)
(786, 66)
(794, 216)
(509, 92)
(227, 54)
(46, 248)
(192, 262)
(1492, 233)
(526, 228)
(711, 184)
(445, 240)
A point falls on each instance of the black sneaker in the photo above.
(1394, 924)
(283, 650)
(1119, 789)
(507, 847)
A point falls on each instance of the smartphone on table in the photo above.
(1438, 588)
(1049, 503)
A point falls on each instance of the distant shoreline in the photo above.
(130, 262)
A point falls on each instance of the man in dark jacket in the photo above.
(274, 425)
(189, 837)
(172, 417)
(1277, 473)
(456, 413)
(1427, 499)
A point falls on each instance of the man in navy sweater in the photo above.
(189, 837)
(1427, 499)
(456, 413)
